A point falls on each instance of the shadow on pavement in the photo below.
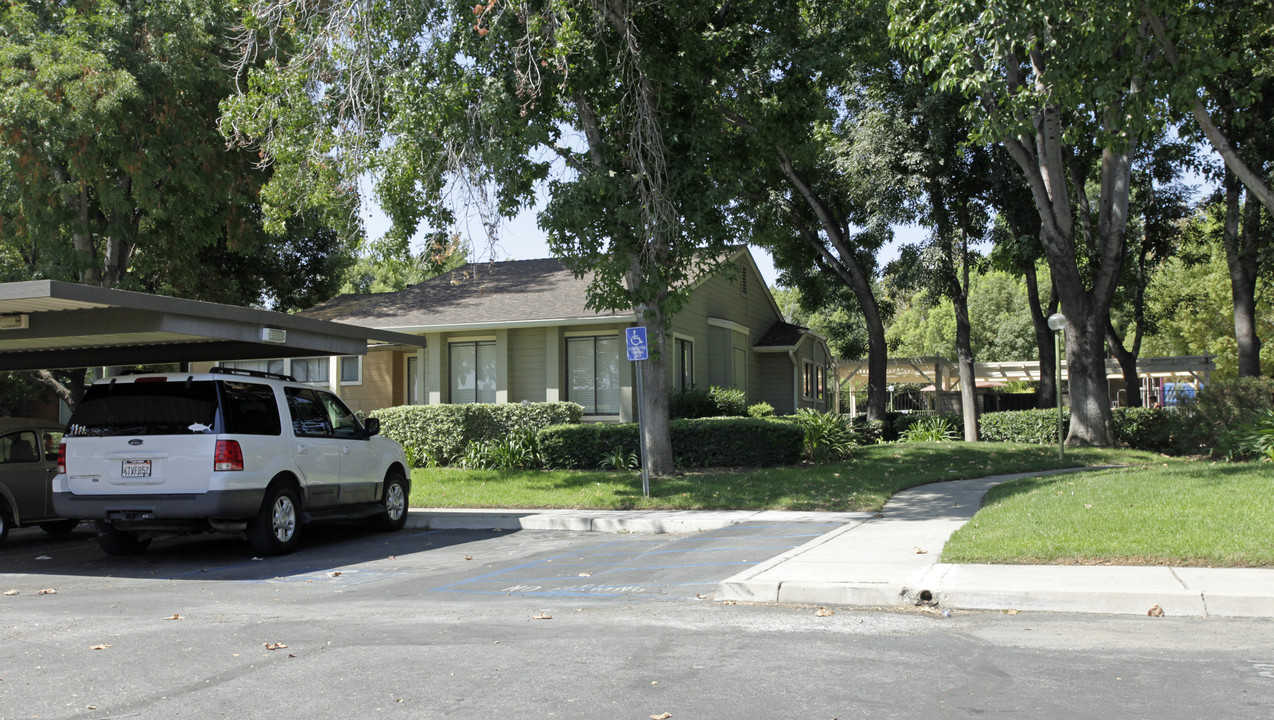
(217, 556)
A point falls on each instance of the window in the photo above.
(351, 369)
(309, 416)
(343, 422)
(274, 366)
(250, 409)
(820, 378)
(413, 365)
(592, 369)
(685, 358)
(808, 380)
(472, 373)
(20, 448)
(311, 370)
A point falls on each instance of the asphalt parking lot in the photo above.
(548, 564)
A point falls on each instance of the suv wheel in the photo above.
(273, 531)
(394, 502)
(4, 521)
(119, 542)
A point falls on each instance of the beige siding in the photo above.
(526, 365)
(377, 387)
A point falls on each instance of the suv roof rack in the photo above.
(220, 370)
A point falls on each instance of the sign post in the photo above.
(639, 351)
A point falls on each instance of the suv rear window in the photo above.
(146, 408)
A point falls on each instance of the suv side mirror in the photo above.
(372, 426)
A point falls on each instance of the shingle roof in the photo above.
(781, 334)
(506, 292)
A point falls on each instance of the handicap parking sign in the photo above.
(635, 340)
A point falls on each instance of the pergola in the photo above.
(941, 373)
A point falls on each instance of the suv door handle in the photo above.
(301, 449)
(345, 449)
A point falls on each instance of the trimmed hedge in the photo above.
(1023, 426)
(441, 432)
(713, 402)
(702, 442)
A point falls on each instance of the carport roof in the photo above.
(53, 324)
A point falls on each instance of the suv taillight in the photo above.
(62, 458)
(229, 456)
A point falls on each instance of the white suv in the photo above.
(228, 450)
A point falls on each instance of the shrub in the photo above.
(1153, 429)
(440, 434)
(902, 425)
(579, 447)
(1024, 426)
(702, 442)
(826, 436)
(728, 402)
(761, 410)
(929, 429)
(618, 460)
(713, 402)
(1221, 408)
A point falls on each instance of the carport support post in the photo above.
(641, 436)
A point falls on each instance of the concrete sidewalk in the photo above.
(891, 560)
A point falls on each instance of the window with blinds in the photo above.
(592, 370)
(472, 371)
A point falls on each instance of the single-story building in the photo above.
(521, 330)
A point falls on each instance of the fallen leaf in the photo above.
(393, 557)
(665, 716)
(879, 515)
(11, 592)
(497, 530)
(43, 557)
(291, 655)
(100, 647)
(48, 591)
(334, 573)
(275, 646)
(1089, 507)
(586, 574)
(824, 612)
(921, 551)
(542, 616)
(174, 616)
(468, 557)
(1010, 612)
(654, 682)
(1155, 611)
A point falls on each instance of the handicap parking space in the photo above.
(636, 566)
(489, 564)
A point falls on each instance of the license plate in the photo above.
(136, 468)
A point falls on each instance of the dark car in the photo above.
(28, 462)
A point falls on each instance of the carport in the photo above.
(53, 324)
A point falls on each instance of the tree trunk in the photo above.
(1127, 362)
(1090, 423)
(1045, 340)
(1241, 258)
(655, 425)
(964, 349)
(964, 367)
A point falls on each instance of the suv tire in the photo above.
(395, 502)
(5, 522)
(274, 530)
(119, 542)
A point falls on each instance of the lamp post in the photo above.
(1057, 323)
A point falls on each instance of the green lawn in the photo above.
(864, 483)
(1182, 513)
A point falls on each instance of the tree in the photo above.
(826, 187)
(1051, 82)
(113, 171)
(608, 105)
